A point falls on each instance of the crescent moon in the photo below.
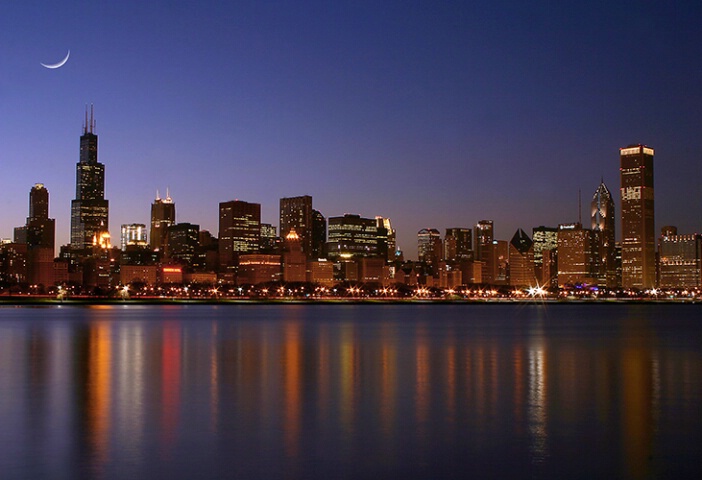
(59, 64)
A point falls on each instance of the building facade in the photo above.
(352, 235)
(602, 221)
(679, 260)
(90, 209)
(163, 215)
(239, 230)
(638, 229)
(296, 214)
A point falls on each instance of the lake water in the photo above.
(351, 391)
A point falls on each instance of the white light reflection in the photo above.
(537, 406)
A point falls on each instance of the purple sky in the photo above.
(435, 114)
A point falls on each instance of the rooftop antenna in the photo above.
(158, 196)
(92, 119)
(85, 125)
(580, 210)
(168, 194)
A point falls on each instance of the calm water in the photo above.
(344, 391)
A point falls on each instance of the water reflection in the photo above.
(334, 392)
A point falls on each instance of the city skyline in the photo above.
(435, 116)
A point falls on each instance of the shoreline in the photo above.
(88, 301)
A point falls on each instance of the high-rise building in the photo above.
(132, 234)
(458, 244)
(638, 229)
(352, 235)
(679, 259)
(182, 242)
(545, 239)
(387, 238)
(429, 247)
(319, 234)
(521, 260)
(294, 261)
(239, 230)
(602, 220)
(269, 237)
(40, 232)
(40, 228)
(296, 213)
(484, 251)
(163, 215)
(89, 210)
(578, 253)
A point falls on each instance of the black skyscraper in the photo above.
(89, 210)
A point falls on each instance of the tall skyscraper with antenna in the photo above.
(89, 210)
(163, 215)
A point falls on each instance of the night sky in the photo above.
(434, 114)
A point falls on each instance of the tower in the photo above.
(89, 210)
(521, 260)
(163, 215)
(296, 213)
(484, 251)
(40, 228)
(602, 221)
(239, 231)
(638, 229)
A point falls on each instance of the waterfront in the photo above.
(351, 391)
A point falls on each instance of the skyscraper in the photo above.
(638, 229)
(484, 251)
(239, 230)
(545, 243)
(40, 228)
(40, 231)
(521, 260)
(296, 213)
(429, 246)
(602, 220)
(352, 236)
(163, 215)
(458, 244)
(89, 210)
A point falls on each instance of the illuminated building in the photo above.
(147, 274)
(172, 274)
(458, 244)
(163, 215)
(387, 239)
(352, 235)
(484, 251)
(182, 242)
(13, 262)
(602, 220)
(89, 210)
(239, 231)
(500, 256)
(429, 247)
(679, 259)
(294, 260)
(269, 238)
(132, 234)
(521, 260)
(321, 272)
(296, 213)
(371, 269)
(638, 229)
(544, 238)
(578, 252)
(258, 268)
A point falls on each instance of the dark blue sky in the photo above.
(435, 115)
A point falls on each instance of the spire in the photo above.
(168, 195)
